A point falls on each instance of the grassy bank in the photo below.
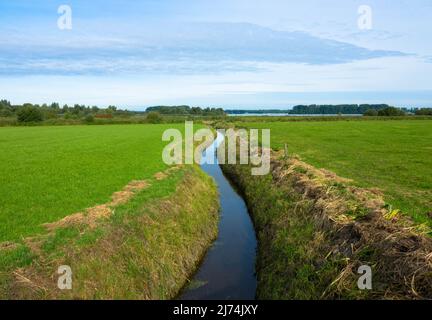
(144, 248)
(394, 156)
(315, 230)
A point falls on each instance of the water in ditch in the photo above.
(228, 269)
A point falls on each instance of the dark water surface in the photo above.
(228, 269)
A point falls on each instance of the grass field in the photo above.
(47, 173)
(140, 243)
(394, 156)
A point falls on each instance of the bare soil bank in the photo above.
(315, 230)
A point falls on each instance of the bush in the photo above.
(30, 114)
(371, 113)
(89, 119)
(50, 114)
(6, 112)
(154, 117)
(391, 112)
(7, 122)
(104, 116)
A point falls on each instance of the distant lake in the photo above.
(291, 115)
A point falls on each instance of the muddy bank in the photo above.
(316, 229)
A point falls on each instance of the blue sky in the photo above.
(229, 53)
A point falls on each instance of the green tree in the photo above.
(89, 118)
(4, 104)
(5, 112)
(391, 112)
(30, 114)
(424, 112)
(111, 109)
(371, 113)
(154, 117)
(55, 106)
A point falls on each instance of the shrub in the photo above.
(30, 114)
(7, 122)
(6, 112)
(391, 112)
(104, 116)
(89, 118)
(371, 113)
(69, 115)
(154, 117)
(50, 114)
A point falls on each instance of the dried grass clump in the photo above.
(363, 231)
(92, 215)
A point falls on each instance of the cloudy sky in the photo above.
(229, 53)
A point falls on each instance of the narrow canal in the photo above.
(228, 269)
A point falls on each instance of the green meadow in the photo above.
(47, 173)
(394, 156)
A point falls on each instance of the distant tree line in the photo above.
(259, 111)
(186, 110)
(337, 109)
(317, 109)
(365, 109)
(423, 112)
(35, 113)
(392, 112)
(386, 112)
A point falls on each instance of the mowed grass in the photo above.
(47, 173)
(394, 156)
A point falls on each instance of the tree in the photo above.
(391, 112)
(55, 106)
(4, 104)
(154, 117)
(111, 109)
(371, 113)
(30, 114)
(89, 118)
(5, 112)
(5, 108)
(424, 112)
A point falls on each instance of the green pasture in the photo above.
(47, 173)
(394, 156)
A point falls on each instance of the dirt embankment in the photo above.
(316, 229)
